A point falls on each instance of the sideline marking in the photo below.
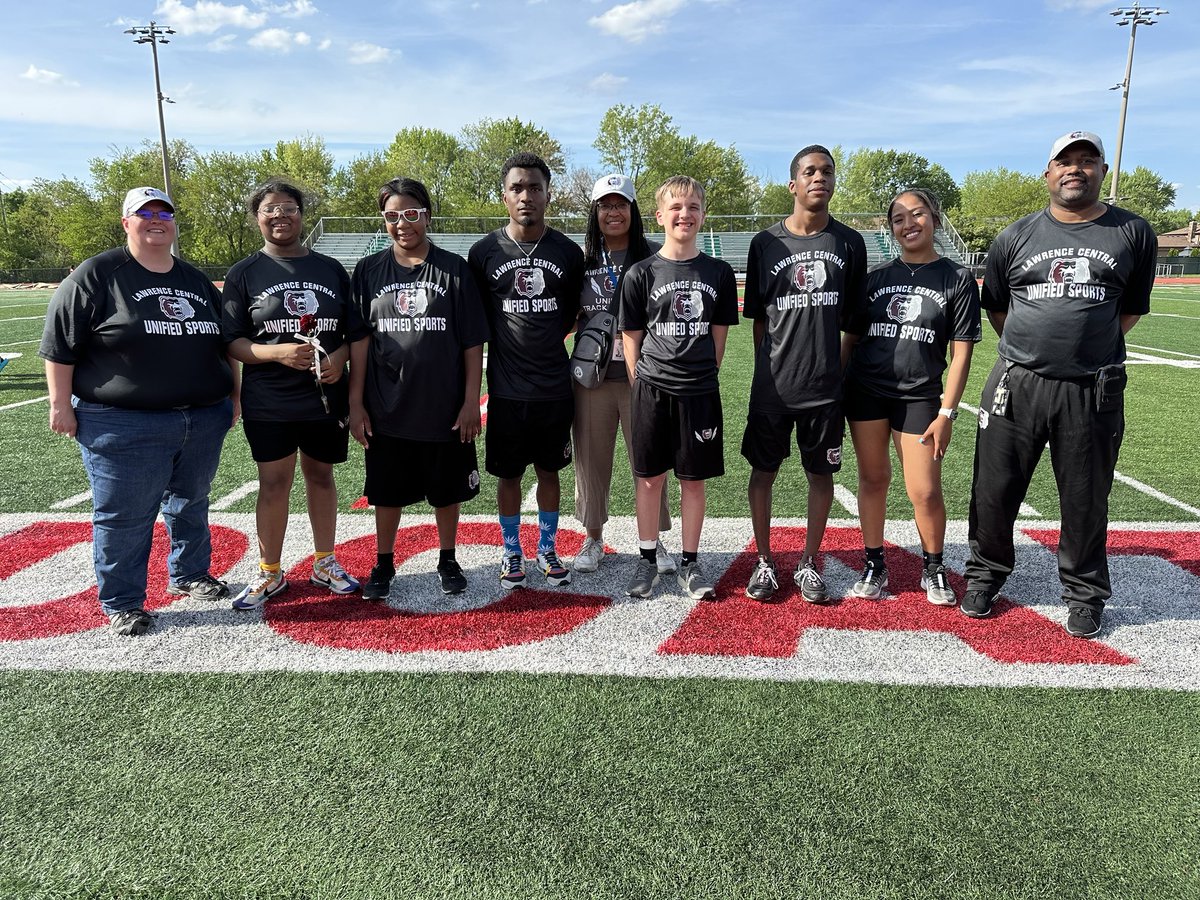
(1156, 494)
(845, 496)
(25, 403)
(529, 504)
(25, 319)
(68, 502)
(1172, 352)
(229, 499)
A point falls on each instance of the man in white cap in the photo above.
(1062, 287)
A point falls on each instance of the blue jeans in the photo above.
(140, 462)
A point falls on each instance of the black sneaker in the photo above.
(130, 622)
(764, 582)
(203, 588)
(452, 577)
(379, 585)
(1084, 621)
(977, 604)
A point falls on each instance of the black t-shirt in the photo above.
(600, 286)
(531, 305)
(264, 298)
(421, 321)
(912, 315)
(138, 339)
(1065, 287)
(676, 302)
(805, 287)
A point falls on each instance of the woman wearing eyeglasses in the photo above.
(414, 382)
(614, 240)
(294, 393)
(138, 375)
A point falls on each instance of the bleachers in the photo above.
(347, 249)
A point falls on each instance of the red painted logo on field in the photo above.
(313, 616)
(81, 611)
(739, 626)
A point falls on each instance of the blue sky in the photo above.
(970, 85)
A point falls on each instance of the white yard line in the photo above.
(1172, 352)
(25, 403)
(1029, 512)
(68, 502)
(22, 343)
(845, 496)
(1171, 316)
(530, 502)
(1156, 494)
(25, 319)
(229, 499)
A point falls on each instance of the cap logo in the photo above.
(614, 179)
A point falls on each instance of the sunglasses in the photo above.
(392, 216)
(282, 209)
(148, 214)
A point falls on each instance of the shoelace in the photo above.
(551, 559)
(512, 565)
(811, 575)
(766, 575)
(938, 579)
(873, 574)
(332, 568)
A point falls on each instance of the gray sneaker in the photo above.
(203, 588)
(810, 582)
(129, 622)
(936, 587)
(645, 577)
(694, 583)
(764, 582)
(874, 582)
(664, 560)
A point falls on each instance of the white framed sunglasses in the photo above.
(393, 216)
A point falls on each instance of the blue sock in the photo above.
(547, 530)
(510, 530)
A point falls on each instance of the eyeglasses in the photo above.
(612, 207)
(148, 214)
(392, 216)
(281, 209)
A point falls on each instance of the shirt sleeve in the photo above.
(752, 302)
(964, 304)
(632, 302)
(68, 324)
(855, 300)
(726, 312)
(995, 276)
(1136, 299)
(236, 321)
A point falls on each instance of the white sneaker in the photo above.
(590, 555)
(259, 592)
(327, 572)
(665, 561)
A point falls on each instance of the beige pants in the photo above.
(598, 411)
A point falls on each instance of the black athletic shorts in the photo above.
(401, 472)
(819, 433)
(324, 440)
(905, 416)
(685, 433)
(521, 433)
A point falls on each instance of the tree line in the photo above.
(58, 222)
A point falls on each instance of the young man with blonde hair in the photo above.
(676, 308)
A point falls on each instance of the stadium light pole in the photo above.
(153, 35)
(1133, 16)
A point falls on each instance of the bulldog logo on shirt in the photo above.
(530, 282)
(1070, 271)
(176, 308)
(809, 276)
(687, 305)
(412, 301)
(300, 303)
(904, 308)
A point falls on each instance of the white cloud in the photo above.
(223, 44)
(293, 9)
(45, 76)
(279, 39)
(362, 53)
(325, 44)
(607, 83)
(207, 16)
(637, 20)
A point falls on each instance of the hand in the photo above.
(469, 422)
(62, 420)
(330, 373)
(294, 356)
(360, 425)
(939, 433)
(237, 408)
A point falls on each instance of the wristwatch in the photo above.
(950, 414)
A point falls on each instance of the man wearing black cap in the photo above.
(1062, 287)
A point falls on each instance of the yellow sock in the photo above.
(321, 554)
(269, 567)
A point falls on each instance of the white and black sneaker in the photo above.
(936, 586)
(874, 581)
(764, 582)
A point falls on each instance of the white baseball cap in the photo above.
(140, 196)
(614, 184)
(1074, 137)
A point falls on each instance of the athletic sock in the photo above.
(319, 555)
(932, 559)
(510, 531)
(269, 567)
(875, 555)
(386, 561)
(648, 550)
(445, 556)
(547, 530)
(689, 556)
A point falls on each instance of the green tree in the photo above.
(486, 145)
(870, 178)
(356, 185)
(1148, 194)
(775, 200)
(428, 155)
(630, 138)
(221, 228)
(991, 199)
(306, 161)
